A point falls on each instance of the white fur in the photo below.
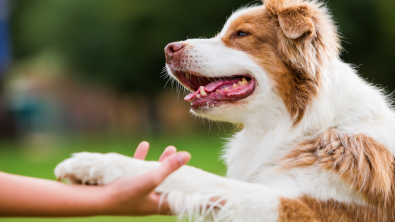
(345, 101)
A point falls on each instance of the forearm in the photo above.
(30, 197)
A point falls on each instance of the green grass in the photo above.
(40, 162)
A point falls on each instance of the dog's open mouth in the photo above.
(212, 91)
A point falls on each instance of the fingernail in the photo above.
(183, 158)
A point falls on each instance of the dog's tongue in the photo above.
(212, 87)
(190, 96)
(209, 88)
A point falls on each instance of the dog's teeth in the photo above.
(202, 92)
(226, 88)
(198, 95)
(235, 85)
(243, 81)
(187, 75)
(217, 91)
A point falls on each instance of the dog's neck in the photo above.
(344, 100)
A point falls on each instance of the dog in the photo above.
(317, 141)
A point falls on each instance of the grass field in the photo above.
(40, 162)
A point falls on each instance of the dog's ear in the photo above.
(294, 18)
(296, 22)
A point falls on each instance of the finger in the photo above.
(151, 180)
(216, 202)
(170, 150)
(141, 151)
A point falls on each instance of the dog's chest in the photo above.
(262, 164)
(251, 162)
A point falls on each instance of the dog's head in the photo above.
(267, 59)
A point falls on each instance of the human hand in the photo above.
(22, 196)
(135, 196)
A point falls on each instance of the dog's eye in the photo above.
(242, 34)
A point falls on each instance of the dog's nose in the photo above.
(172, 50)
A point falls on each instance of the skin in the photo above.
(22, 196)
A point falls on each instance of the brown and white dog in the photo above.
(317, 142)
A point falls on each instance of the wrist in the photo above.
(91, 200)
(107, 202)
(115, 201)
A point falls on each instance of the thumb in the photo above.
(168, 166)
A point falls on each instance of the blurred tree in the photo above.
(368, 31)
(120, 42)
(6, 121)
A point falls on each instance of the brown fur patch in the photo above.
(362, 162)
(310, 209)
(292, 210)
(294, 86)
(293, 65)
(296, 22)
(316, 46)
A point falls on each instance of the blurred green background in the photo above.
(85, 75)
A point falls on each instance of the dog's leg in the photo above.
(100, 169)
(190, 191)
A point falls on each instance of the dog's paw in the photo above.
(92, 168)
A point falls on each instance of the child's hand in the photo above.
(32, 197)
(136, 196)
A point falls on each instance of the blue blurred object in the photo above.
(4, 38)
